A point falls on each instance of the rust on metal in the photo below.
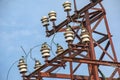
(74, 53)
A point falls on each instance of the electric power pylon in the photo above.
(85, 42)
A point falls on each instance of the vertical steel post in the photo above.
(91, 45)
(111, 43)
(70, 63)
(75, 6)
(109, 36)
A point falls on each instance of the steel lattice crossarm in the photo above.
(62, 60)
(89, 44)
(94, 16)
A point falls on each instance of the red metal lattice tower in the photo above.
(90, 16)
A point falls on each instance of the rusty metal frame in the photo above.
(90, 59)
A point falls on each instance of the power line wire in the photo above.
(31, 55)
(30, 51)
(51, 49)
(52, 41)
(24, 51)
(10, 69)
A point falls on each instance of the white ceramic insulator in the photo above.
(60, 51)
(85, 36)
(52, 15)
(45, 51)
(23, 70)
(69, 38)
(37, 63)
(44, 20)
(69, 35)
(46, 55)
(67, 8)
(83, 30)
(45, 23)
(85, 40)
(23, 66)
(21, 61)
(52, 18)
(37, 66)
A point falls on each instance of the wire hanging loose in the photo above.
(11, 68)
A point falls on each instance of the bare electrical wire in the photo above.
(30, 51)
(51, 49)
(52, 41)
(10, 69)
(31, 55)
(15, 63)
(24, 51)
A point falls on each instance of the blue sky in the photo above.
(20, 26)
